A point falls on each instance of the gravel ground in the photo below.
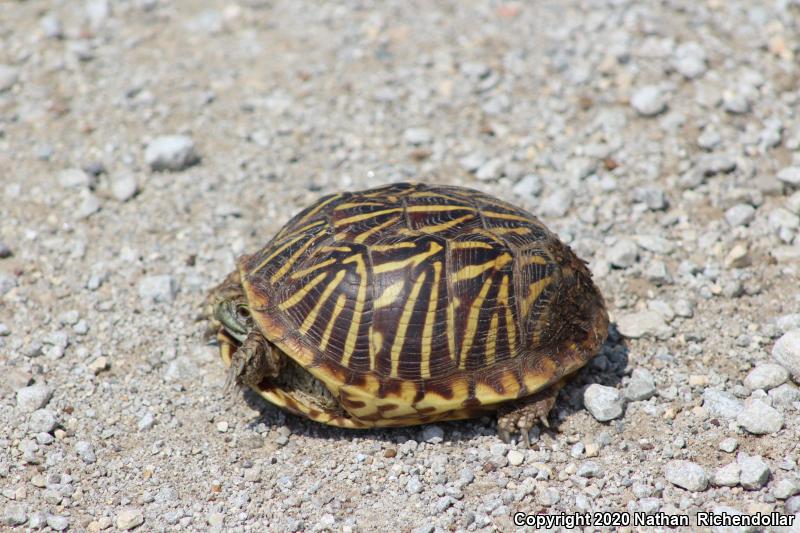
(144, 144)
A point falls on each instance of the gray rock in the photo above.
(760, 418)
(124, 187)
(740, 215)
(85, 451)
(784, 396)
(97, 12)
(129, 518)
(642, 385)
(643, 324)
(51, 26)
(786, 488)
(690, 60)
(590, 469)
(490, 170)
(418, 136)
(33, 397)
(147, 421)
(8, 77)
(649, 100)
(793, 203)
(472, 162)
(414, 485)
(75, 178)
(604, 403)
(792, 504)
(709, 139)
(786, 352)
(754, 471)
(171, 152)
(686, 474)
(433, 434)
(790, 176)
(88, 206)
(623, 254)
(530, 185)
(14, 515)
(57, 523)
(42, 421)
(726, 476)
(180, 369)
(557, 203)
(7, 282)
(728, 445)
(766, 376)
(788, 322)
(158, 289)
(722, 404)
(515, 457)
(735, 102)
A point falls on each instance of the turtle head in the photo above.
(234, 316)
(227, 308)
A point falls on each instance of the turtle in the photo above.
(410, 304)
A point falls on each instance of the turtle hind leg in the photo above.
(523, 414)
(253, 361)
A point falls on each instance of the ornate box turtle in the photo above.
(409, 304)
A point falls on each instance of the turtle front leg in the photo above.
(521, 415)
(255, 360)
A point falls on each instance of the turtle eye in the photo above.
(242, 312)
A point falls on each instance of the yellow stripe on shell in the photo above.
(361, 296)
(361, 237)
(295, 298)
(511, 327)
(435, 228)
(300, 273)
(312, 316)
(415, 260)
(427, 330)
(472, 323)
(505, 216)
(293, 258)
(365, 216)
(319, 207)
(438, 208)
(470, 245)
(402, 326)
(375, 344)
(350, 205)
(491, 340)
(534, 290)
(275, 254)
(473, 271)
(451, 327)
(389, 295)
(337, 309)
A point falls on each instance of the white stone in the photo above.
(649, 101)
(129, 518)
(760, 418)
(727, 476)
(158, 289)
(786, 352)
(766, 376)
(33, 397)
(790, 176)
(686, 474)
(171, 152)
(643, 324)
(754, 471)
(604, 403)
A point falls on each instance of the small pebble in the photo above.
(75, 178)
(8, 77)
(690, 60)
(642, 385)
(649, 101)
(14, 515)
(790, 176)
(124, 187)
(604, 403)
(754, 471)
(57, 523)
(85, 451)
(158, 289)
(42, 421)
(726, 476)
(786, 488)
(623, 254)
(728, 445)
(171, 153)
(557, 203)
(786, 352)
(34, 397)
(418, 136)
(766, 376)
(760, 418)
(721, 403)
(643, 324)
(515, 457)
(687, 475)
(129, 518)
(740, 215)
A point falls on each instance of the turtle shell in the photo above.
(414, 303)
